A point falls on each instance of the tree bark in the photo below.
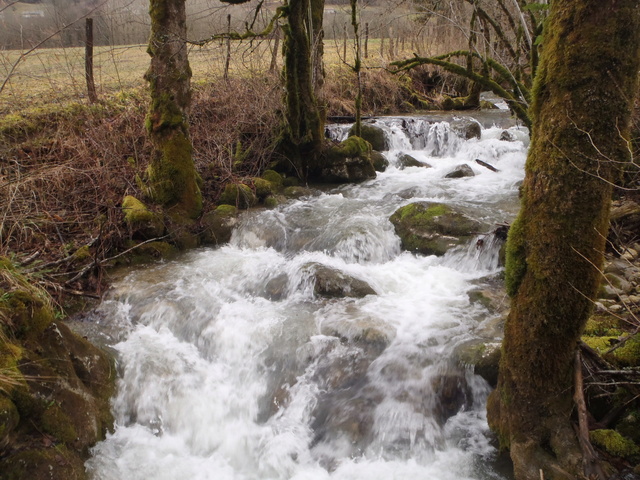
(172, 178)
(583, 97)
(304, 76)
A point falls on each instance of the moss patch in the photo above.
(238, 195)
(614, 443)
(431, 229)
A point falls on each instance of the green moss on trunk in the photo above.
(172, 179)
(583, 96)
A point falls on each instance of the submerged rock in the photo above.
(432, 228)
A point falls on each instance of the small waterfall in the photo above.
(312, 346)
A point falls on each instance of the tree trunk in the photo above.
(304, 77)
(583, 97)
(173, 180)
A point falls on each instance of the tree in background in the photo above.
(172, 179)
(582, 102)
(303, 131)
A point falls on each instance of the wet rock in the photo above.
(484, 358)
(405, 161)
(467, 128)
(218, 225)
(507, 136)
(461, 171)
(379, 161)
(369, 333)
(348, 162)
(374, 135)
(452, 393)
(432, 228)
(332, 283)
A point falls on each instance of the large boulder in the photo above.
(432, 228)
(374, 135)
(55, 405)
(348, 162)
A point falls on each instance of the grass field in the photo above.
(56, 75)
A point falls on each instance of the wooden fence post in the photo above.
(88, 61)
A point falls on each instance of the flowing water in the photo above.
(232, 366)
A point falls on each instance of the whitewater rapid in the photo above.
(231, 365)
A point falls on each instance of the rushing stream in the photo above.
(231, 367)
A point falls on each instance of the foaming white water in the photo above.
(241, 363)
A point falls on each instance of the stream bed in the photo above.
(232, 366)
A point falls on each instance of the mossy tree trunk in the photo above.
(303, 76)
(172, 178)
(583, 96)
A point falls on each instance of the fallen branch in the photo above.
(486, 165)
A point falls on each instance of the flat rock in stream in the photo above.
(405, 160)
(432, 228)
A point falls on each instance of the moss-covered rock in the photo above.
(348, 162)
(9, 419)
(273, 177)
(374, 135)
(628, 355)
(264, 188)
(238, 195)
(432, 228)
(142, 222)
(218, 225)
(290, 182)
(44, 463)
(614, 443)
